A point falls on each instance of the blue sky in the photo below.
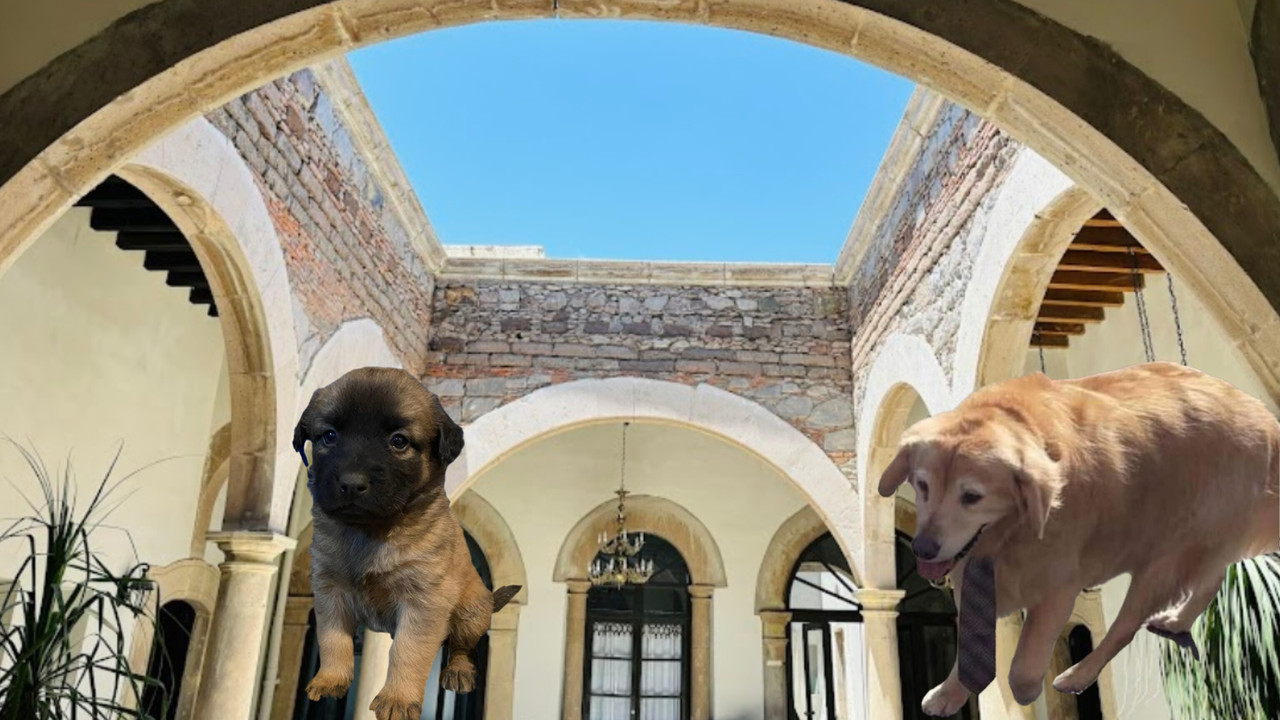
(630, 140)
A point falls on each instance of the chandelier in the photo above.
(617, 562)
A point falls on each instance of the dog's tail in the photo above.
(503, 595)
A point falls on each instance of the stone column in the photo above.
(575, 647)
(700, 652)
(375, 658)
(880, 628)
(775, 624)
(500, 676)
(239, 622)
(293, 639)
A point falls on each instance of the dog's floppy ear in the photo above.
(302, 430)
(1038, 482)
(896, 473)
(449, 440)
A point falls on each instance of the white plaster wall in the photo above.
(98, 351)
(544, 488)
(1116, 343)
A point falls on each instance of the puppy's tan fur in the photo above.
(1157, 470)
(402, 567)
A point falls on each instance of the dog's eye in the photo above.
(329, 438)
(399, 442)
(970, 498)
(922, 487)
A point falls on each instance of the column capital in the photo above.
(253, 547)
(775, 623)
(578, 587)
(508, 618)
(880, 599)
(701, 592)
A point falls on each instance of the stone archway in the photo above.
(486, 526)
(676, 525)
(200, 181)
(1170, 175)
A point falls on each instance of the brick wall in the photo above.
(785, 348)
(347, 255)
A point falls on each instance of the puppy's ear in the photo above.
(449, 440)
(1038, 481)
(896, 473)
(302, 430)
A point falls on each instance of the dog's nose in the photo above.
(926, 548)
(353, 484)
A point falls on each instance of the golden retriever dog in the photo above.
(387, 550)
(1157, 470)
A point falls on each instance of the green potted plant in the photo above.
(48, 670)
(1238, 674)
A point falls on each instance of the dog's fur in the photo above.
(387, 550)
(1157, 470)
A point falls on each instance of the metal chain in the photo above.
(1177, 321)
(1040, 346)
(1144, 324)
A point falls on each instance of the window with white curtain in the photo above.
(638, 643)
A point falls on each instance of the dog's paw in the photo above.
(945, 700)
(1075, 680)
(389, 707)
(459, 678)
(1026, 690)
(328, 685)
(1183, 639)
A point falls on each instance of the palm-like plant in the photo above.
(1238, 677)
(46, 671)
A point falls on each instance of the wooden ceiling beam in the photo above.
(1108, 262)
(1106, 239)
(1084, 298)
(1043, 328)
(1080, 280)
(1050, 312)
(1050, 341)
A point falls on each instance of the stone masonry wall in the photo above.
(786, 348)
(914, 274)
(347, 255)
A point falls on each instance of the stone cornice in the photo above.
(371, 144)
(908, 140)
(639, 273)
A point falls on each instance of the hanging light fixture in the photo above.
(617, 563)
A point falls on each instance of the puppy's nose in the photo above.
(926, 548)
(353, 484)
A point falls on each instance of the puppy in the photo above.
(1157, 470)
(387, 550)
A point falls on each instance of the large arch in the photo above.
(195, 175)
(1036, 214)
(705, 408)
(905, 368)
(1158, 164)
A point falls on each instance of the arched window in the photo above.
(638, 641)
(169, 649)
(1089, 702)
(441, 704)
(825, 640)
(926, 634)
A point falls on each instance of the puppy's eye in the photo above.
(970, 498)
(329, 438)
(399, 442)
(922, 487)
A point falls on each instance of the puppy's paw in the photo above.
(390, 707)
(945, 700)
(1075, 680)
(1026, 690)
(459, 677)
(327, 684)
(1182, 638)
